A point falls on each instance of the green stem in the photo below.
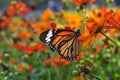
(49, 75)
(110, 39)
(57, 73)
(96, 76)
(84, 17)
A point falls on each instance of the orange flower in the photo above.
(16, 8)
(21, 67)
(29, 68)
(86, 39)
(25, 34)
(13, 61)
(97, 47)
(94, 27)
(81, 78)
(81, 54)
(117, 15)
(74, 20)
(107, 20)
(112, 24)
(46, 15)
(58, 60)
(39, 27)
(23, 23)
(11, 11)
(23, 9)
(48, 62)
(5, 21)
(83, 2)
(77, 78)
(40, 47)
(18, 46)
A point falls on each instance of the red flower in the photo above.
(53, 25)
(22, 8)
(16, 8)
(27, 49)
(58, 60)
(83, 2)
(5, 22)
(40, 46)
(30, 49)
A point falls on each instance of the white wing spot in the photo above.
(49, 35)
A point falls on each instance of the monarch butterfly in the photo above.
(64, 42)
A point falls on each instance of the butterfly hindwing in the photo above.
(70, 49)
(62, 41)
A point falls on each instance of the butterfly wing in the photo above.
(69, 49)
(62, 41)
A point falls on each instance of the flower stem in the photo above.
(110, 39)
(49, 75)
(84, 17)
(96, 76)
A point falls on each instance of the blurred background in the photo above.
(54, 4)
(38, 6)
(24, 57)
